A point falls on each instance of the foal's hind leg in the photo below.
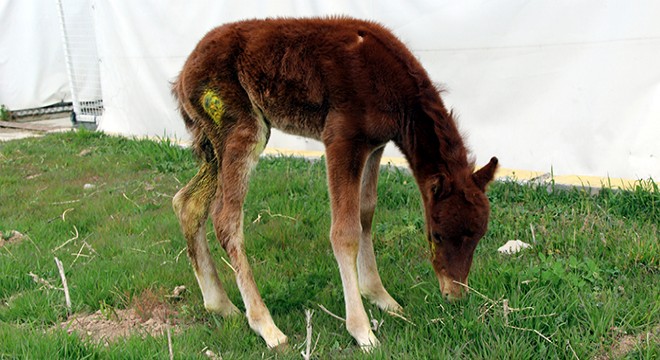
(242, 145)
(191, 205)
(371, 285)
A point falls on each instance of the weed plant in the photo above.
(5, 114)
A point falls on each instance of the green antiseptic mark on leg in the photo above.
(213, 105)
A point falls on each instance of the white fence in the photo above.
(81, 58)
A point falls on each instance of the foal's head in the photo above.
(457, 218)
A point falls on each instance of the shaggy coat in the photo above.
(354, 86)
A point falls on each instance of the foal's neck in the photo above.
(431, 142)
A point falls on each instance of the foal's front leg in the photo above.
(371, 285)
(345, 165)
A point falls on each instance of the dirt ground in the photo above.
(626, 343)
(12, 236)
(110, 325)
(148, 315)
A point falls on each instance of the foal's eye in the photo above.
(436, 237)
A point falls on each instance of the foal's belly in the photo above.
(294, 120)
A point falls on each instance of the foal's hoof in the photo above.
(275, 339)
(368, 348)
(281, 344)
(367, 345)
(394, 308)
(281, 348)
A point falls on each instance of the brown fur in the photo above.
(354, 86)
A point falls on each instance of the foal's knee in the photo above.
(181, 204)
(345, 239)
(190, 212)
(177, 203)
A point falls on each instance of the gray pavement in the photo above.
(20, 130)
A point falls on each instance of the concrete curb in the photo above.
(592, 184)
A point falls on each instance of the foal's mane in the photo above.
(453, 152)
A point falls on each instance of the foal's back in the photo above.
(298, 72)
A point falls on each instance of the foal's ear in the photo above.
(486, 174)
(439, 186)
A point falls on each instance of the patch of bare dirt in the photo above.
(110, 325)
(9, 237)
(627, 343)
(148, 315)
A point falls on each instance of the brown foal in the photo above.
(354, 86)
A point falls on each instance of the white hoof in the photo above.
(274, 338)
(369, 344)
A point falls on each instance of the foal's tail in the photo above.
(201, 145)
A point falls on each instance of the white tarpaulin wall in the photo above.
(572, 86)
(32, 70)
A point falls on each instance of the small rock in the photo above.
(178, 291)
(85, 152)
(211, 355)
(89, 186)
(513, 246)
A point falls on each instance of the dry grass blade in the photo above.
(506, 310)
(436, 320)
(330, 313)
(307, 354)
(35, 245)
(397, 315)
(532, 330)
(375, 323)
(169, 340)
(68, 241)
(258, 219)
(568, 345)
(66, 202)
(267, 211)
(67, 297)
(132, 202)
(42, 281)
(64, 213)
(176, 259)
(228, 264)
(8, 252)
(78, 254)
(89, 247)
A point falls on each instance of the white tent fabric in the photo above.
(32, 68)
(551, 84)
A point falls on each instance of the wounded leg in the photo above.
(371, 285)
(242, 148)
(191, 205)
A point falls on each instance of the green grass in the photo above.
(592, 275)
(5, 114)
